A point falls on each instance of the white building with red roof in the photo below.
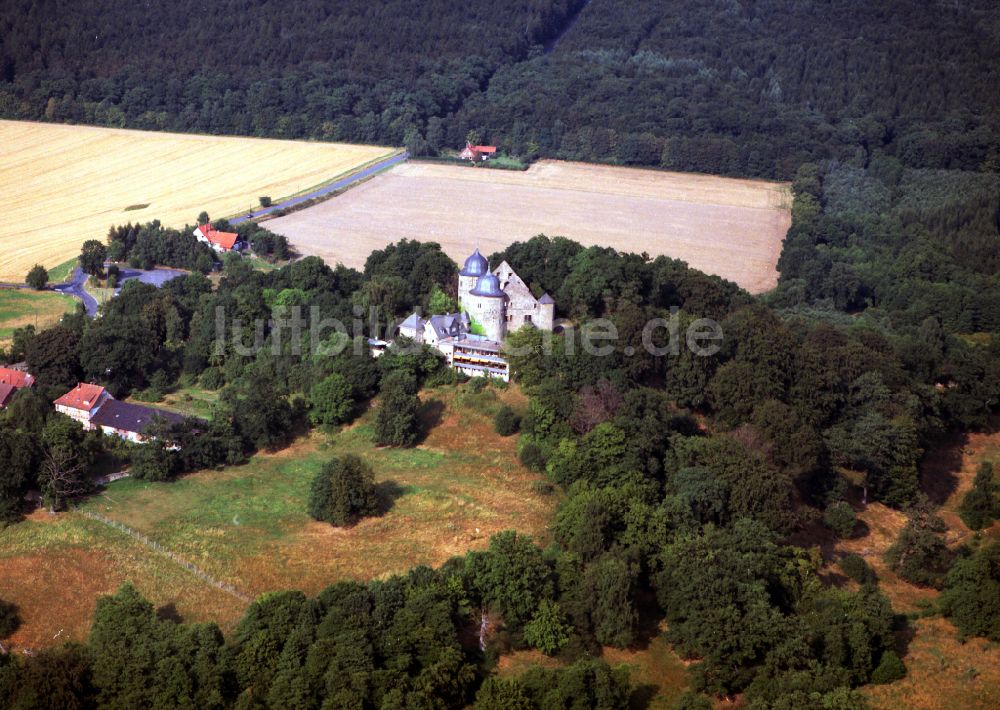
(222, 242)
(82, 402)
(10, 382)
(477, 153)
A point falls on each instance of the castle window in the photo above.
(527, 318)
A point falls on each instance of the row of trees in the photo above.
(399, 642)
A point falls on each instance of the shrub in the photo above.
(506, 421)
(396, 417)
(153, 462)
(343, 492)
(971, 598)
(9, 620)
(212, 378)
(840, 518)
(920, 555)
(478, 384)
(265, 201)
(692, 701)
(890, 669)
(331, 401)
(547, 631)
(38, 277)
(979, 506)
(532, 457)
(855, 567)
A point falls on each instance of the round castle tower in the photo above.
(475, 266)
(486, 304)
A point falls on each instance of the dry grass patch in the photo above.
(943, 673)
(733, 228)
(247, 525)
(19, 307)
(65, 184)
(55, 567)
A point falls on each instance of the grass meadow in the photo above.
(21, 307)
(247, 525)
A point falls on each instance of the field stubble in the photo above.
(62, 184)
(724, 226)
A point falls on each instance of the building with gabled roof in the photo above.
(82, 402)
(15, 378)
(6, 394)
(222, 242)
(477, 153)
(491, 304)
(131, 421)
(10, 382)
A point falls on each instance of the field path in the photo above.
(729, 227)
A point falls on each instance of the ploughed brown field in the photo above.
(724, 226)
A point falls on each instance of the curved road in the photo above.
(326, 190)
(75, 286)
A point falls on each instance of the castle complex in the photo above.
(491, 304)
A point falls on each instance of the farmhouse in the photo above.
(94, 408)
(131, 421)
(477, 153)
(222, 242)
(491, 304)
(82, 402)
(10, 382)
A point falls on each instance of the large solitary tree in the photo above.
(343, 492)
(38, 277)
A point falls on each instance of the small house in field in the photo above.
(477, 153)
(131, 422)
(222, 242)
(82, 402)
(10, 382)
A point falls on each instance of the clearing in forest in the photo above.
(247, 526)
(62, 185)
(724, 226)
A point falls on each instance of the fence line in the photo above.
(157, 547)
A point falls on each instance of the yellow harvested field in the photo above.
(62, 185)
(733, 228)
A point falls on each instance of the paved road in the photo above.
(75, 286)
(324, 191)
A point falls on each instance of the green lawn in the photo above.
(187, 400)
(21, 307)
(61, 273)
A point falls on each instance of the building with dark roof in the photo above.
(131, 421)
(491, 304)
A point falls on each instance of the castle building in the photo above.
(500, 301)
(491, 305)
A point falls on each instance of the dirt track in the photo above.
(733, 228)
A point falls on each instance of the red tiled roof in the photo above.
(226, 240)
(15, 378)
(84, 397)
(485, 148)
(6, 392)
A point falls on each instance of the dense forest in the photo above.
(752, 87)
(684, 479)
(662, 515)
